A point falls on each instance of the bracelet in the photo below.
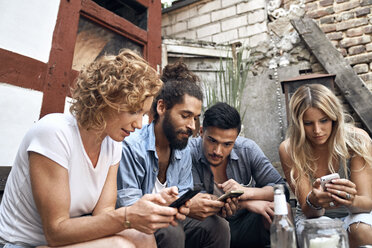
(126, 223)
(310, 204)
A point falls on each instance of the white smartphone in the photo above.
(327, 178)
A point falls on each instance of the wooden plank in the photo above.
(200, 51)
(351, 86)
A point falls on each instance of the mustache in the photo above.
(215, 155)
(187, 132)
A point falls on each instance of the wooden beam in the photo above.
(22, 71)
(57, 84)
(351, 86)
(198, 51)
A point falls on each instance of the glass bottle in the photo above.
(282, 231)
(324, 233)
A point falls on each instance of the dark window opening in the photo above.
(131, 10)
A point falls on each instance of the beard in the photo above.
(171, 133)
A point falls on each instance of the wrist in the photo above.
(127, 224)
(311, 205)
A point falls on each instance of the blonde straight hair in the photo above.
(344, 141)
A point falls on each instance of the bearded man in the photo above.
(157, 157)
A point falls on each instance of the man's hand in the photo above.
(231, 184)
(264, 208)
(230, 207)
(203, 205)
(170, 195)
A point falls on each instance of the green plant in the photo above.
(231, 80)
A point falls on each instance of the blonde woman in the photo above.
(319, 142)
(62, 187)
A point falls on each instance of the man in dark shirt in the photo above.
(224, 161)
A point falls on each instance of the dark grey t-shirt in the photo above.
(247, 165)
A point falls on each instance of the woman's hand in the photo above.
(343, 191)
(149, 214)
(320, 198)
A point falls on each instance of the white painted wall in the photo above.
(26, 26)
(20, 108)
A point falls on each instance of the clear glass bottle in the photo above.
(282, 231)
(324, 233)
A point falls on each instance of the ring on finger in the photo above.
(338, 192)
(331, 204)
(348, 196)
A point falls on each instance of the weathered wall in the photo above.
(348, 24)
(277, 50)
(218, 21)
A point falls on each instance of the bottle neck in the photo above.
(280, 205)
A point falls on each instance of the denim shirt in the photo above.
(139, 167)
(247, 165)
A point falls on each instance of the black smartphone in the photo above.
(184, 198)
(230, 194)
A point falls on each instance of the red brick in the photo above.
(367, 29)
(360, 58)
(335, 36)
(365, 2)
(349, 42)
(311, 6)
(362, 12)
(327, 20)
(346, 6)
(355, 32)
(351, 24)
(320, 13)
(357, 50)
(327, 28)
(325, 3)
(360, 68)
(345, 16)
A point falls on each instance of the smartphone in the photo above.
(327, 178)
(230, 194)
(184, 198)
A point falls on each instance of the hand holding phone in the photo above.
(184, 198)
(230, 194)
(327, 179)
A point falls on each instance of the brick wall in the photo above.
(348, 24)
(219, 21)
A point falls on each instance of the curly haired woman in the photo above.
(62, 187)
(319, 142)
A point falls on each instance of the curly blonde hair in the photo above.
(120, 83)
(344, 141)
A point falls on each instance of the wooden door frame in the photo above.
(56, 77)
